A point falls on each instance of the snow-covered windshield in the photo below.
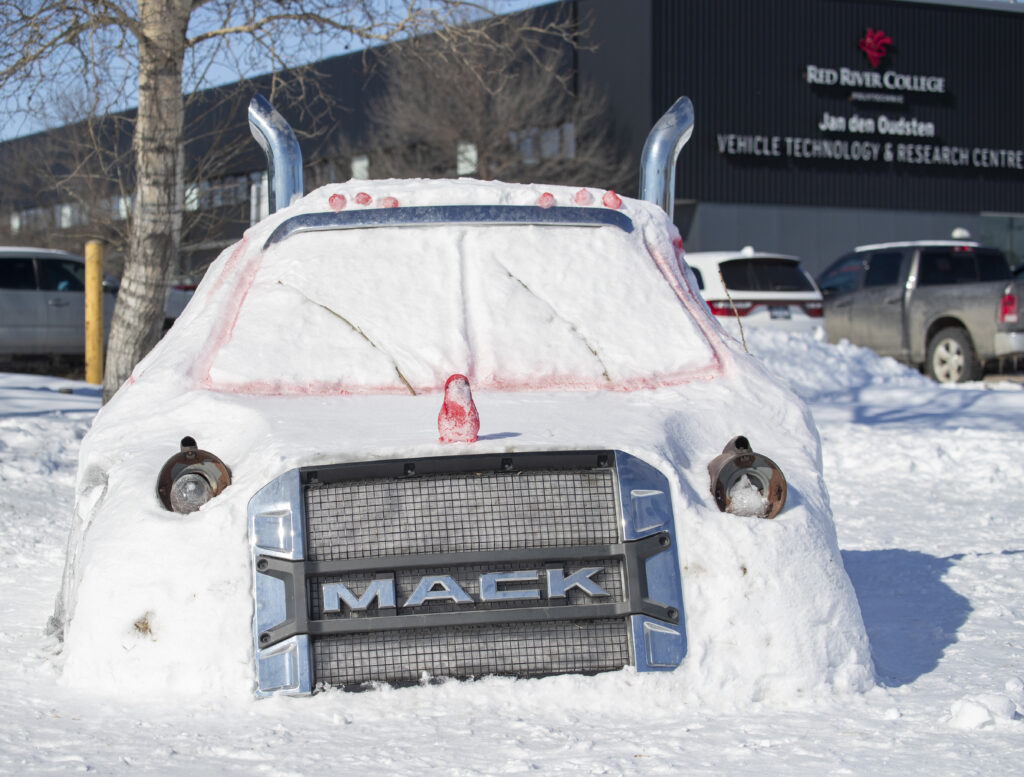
(511, 306)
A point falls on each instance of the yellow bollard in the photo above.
(94, 312)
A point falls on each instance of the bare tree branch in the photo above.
(505, 93)
(110, 54)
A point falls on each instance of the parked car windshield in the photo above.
(764, 274)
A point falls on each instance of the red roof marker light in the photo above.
(611, 200)
(583, 197)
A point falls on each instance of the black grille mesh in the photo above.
(466, 513)
(460, 513)
(524, 650)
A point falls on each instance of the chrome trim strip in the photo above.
(428, 215)
(284, 157)
(661, 150)
(276, 518)
(657, 646)
(284, 669)
(1008, 342)
(644, 496)
(646, 501)
(276, 530)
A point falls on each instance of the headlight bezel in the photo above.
(738, 460)
(193, 465)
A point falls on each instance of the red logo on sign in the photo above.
(873, 45)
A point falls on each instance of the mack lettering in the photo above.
(444, 588)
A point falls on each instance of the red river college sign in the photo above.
(884, 137)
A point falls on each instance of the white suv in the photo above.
(758, 289)
(42, 302)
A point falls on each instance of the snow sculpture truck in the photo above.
(268, 505)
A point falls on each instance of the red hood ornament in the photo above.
(458, 420)
(873, 45)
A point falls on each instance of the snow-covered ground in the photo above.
(927, 489)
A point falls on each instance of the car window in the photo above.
(61, 275)
(945, 266)
(843, 276)
(883, 268)
(699, 277)
(17, 274)
(992, 265)
(764, 275)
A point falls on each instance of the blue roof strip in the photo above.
(439, 215)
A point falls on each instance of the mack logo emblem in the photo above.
(444, 588)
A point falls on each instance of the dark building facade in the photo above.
(820, 124)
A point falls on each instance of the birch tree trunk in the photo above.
(159, 161)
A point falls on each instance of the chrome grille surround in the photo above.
(598, 523)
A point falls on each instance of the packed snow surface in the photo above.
(927, 487)
(329, 348)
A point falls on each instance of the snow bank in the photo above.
(816, 369)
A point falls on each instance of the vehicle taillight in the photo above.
(814, 309)
(725, 308)
(1008, 309)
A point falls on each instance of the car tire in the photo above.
(951, 357)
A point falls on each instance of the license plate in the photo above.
(779, 311)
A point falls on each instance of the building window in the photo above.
(68, 214)
(361, 166)
(466, 159)
(259, 196)
(192, 197)
(569, 140)
(537, 143)
(121, 205)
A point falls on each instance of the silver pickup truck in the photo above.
(948, 307)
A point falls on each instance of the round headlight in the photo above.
(191, 478)
(190, 491)
(746, 483)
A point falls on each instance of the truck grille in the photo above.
(561, 647)
(460, 512)
(521, 564)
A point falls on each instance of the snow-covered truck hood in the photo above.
(333, 347)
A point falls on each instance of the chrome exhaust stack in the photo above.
(284, 157)
(658, 162)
